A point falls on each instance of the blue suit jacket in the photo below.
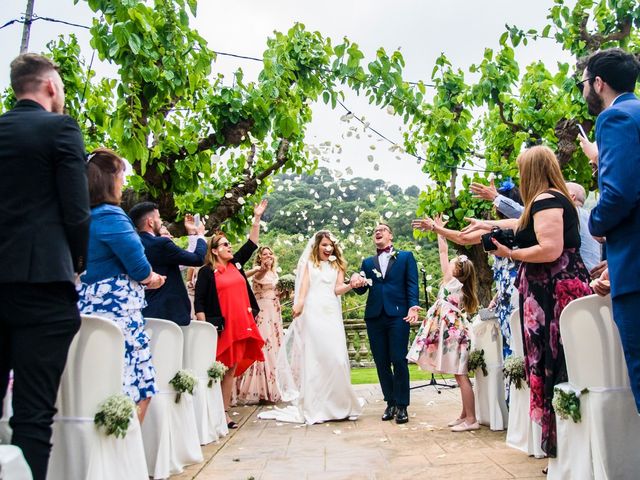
(617, 214)
(170, 301)
(394, 293)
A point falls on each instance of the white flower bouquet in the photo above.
(514, 370)
(216, 372)
(184, 382)
(114, 415)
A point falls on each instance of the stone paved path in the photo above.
(364, 449)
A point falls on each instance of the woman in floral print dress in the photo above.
(551, 275)
(258, 383)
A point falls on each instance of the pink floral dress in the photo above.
(442, 343)
(259, 381)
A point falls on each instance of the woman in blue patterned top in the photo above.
(117, 273)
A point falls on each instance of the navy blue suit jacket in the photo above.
(394, 293)
(617, 214)
(170, 301)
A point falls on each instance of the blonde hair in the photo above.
(339, 263)
(539, 172)
(258, 261)
(465, 272)
(211, 258)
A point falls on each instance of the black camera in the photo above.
(504, 236)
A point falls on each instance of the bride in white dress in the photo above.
(313, 371)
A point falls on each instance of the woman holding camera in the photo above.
(551, 275)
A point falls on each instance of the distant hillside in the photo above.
(350, 209)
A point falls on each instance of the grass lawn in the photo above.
(369, 375)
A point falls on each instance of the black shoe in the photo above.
(389, 413)
(401, 415)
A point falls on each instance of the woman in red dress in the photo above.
(223, 297)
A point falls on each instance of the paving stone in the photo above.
(367, 449)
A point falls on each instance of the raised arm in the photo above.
(254, 234)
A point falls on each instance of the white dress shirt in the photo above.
(383, 259)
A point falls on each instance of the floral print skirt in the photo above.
(545, 289)
(121, 299)
(442, 342)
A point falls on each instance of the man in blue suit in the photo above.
(391, 277)
(170, 301)
(608, 82)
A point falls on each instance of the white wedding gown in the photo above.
(313, 371)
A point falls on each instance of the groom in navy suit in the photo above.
(608, 84)
(391, 277)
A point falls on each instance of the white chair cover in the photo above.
(94, 370)
(491, 407)
(7, 411)
(13, 466)
(169, 429)
(522, 432)
(604, 445)
(200, 342)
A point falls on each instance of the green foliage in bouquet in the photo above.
(114, 415)
(286, 284)
(183, 382)
(514, 370)
(567, 404)
(476, 361)
(216, 372)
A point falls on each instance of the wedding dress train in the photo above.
(313, 371)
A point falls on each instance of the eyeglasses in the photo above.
(381, 229)
(223, 244)
(580, 84)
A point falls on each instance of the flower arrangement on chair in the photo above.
(184, 382)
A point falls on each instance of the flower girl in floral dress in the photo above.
(442, 344)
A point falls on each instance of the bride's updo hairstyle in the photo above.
(339, 261)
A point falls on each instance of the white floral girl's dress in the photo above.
(442, 344)
(122, 299)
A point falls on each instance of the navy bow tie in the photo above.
(385, 249)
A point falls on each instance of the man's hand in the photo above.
(598, 269)
(413, 315)
(483, 191)
(601, 285)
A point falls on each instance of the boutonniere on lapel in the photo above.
(394, 254)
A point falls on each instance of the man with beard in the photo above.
(607, 84)
(171, 301)
(44, 225)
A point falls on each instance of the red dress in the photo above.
(240, 342)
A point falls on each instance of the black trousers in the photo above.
(37, 324)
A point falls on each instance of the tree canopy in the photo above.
(199, 144)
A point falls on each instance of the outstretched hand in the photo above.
(413, 315)
(475, 225)
(483, 191)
